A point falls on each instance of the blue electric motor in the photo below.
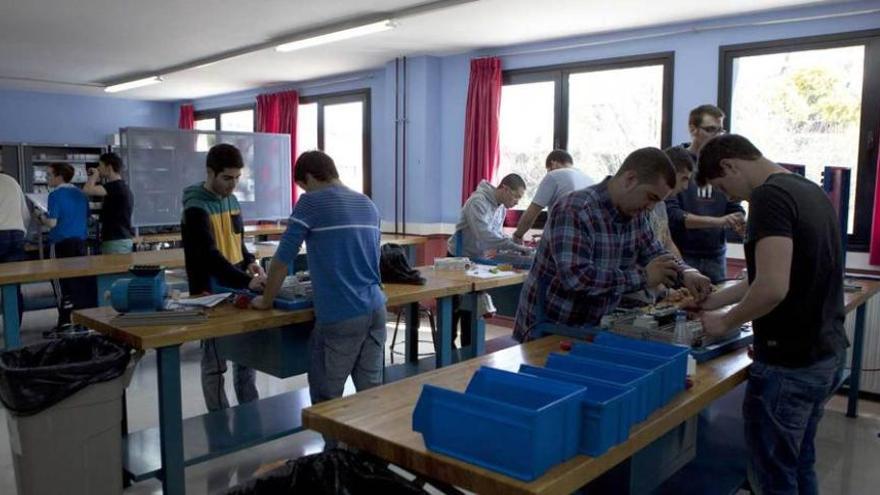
(145, 291)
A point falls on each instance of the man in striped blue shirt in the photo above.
(341, 230)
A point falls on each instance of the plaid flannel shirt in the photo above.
(589, 256)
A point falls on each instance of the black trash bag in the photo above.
(335, 472)
(395, 268)
(38, 376)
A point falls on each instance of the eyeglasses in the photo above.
(713, 129)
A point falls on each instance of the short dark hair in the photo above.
(112, 160)
(696, 116)
(222, 156)
(317, 164)
(63, 170)
(560, 156)
(650, 165)
(723, 147)
(680, 158)
(513, 181)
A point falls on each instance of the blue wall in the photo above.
(53, 118)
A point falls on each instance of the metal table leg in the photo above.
(11, 323)
(170, 421)
(444, 327)
(412, 323)
(478, 328)
(852, 406)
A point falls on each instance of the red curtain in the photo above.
(277, 113)
(875, 226)
(187, 119)
(481, 151)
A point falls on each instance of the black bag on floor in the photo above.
(335, 472)
(395, 268)
(38, 376)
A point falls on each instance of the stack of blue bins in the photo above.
(585, 402)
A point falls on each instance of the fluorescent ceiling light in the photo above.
(138, 83)
(344, 34)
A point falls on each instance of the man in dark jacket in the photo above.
(700, 216)
(213, 245)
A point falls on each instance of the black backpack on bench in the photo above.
(395, 268)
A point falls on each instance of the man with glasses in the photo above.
(700, 216)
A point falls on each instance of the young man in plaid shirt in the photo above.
(598, 245)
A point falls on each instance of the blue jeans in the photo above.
(355, 347)
(781, 412)
(244, 379)
(714, 268)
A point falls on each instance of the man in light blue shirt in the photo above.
(341, 230)
(561, 179)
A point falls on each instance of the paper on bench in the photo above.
(208, 301)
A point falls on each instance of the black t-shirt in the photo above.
(116, 212)
(808, 324)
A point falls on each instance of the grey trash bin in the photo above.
(64, 418)
(74, 447)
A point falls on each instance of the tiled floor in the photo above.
(849, 450)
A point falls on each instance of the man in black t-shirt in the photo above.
(794, 297)
(116, 230)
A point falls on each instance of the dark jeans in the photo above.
(714, 268)
(462, 317)
(76, 293)
(12, 249)
(781, 411)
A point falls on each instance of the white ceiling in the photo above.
(94, 41)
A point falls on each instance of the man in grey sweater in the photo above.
(480, 228)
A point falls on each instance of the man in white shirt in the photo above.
(561, 179)
(14, 219)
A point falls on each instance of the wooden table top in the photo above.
(379, 420)
(258, 230)
(39, 270)
(225, 319)
(852, 300)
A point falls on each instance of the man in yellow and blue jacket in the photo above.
(213, 244)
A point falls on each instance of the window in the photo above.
(808, 102)
(238, 119)
(339, 124)
(579, 108)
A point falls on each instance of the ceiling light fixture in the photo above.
(137, 83)
(333, 36)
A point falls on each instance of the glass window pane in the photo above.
(203, 141)
(802, 107)
(526, 133)
(209, 124)
(306, 128)
(241, 121)
(306, 131)
(344, 141)
(610, 114)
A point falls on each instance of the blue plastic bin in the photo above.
(515, 424)
(636, 378)
(607, 409)
(679, 354)
(658, 391)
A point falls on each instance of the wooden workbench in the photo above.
(379, 421)
(225, 319)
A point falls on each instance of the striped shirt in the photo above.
(590, 255)
(341, 230)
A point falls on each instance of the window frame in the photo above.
(358, 95)
(214, 113)
(558, 74)
(869, 122)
